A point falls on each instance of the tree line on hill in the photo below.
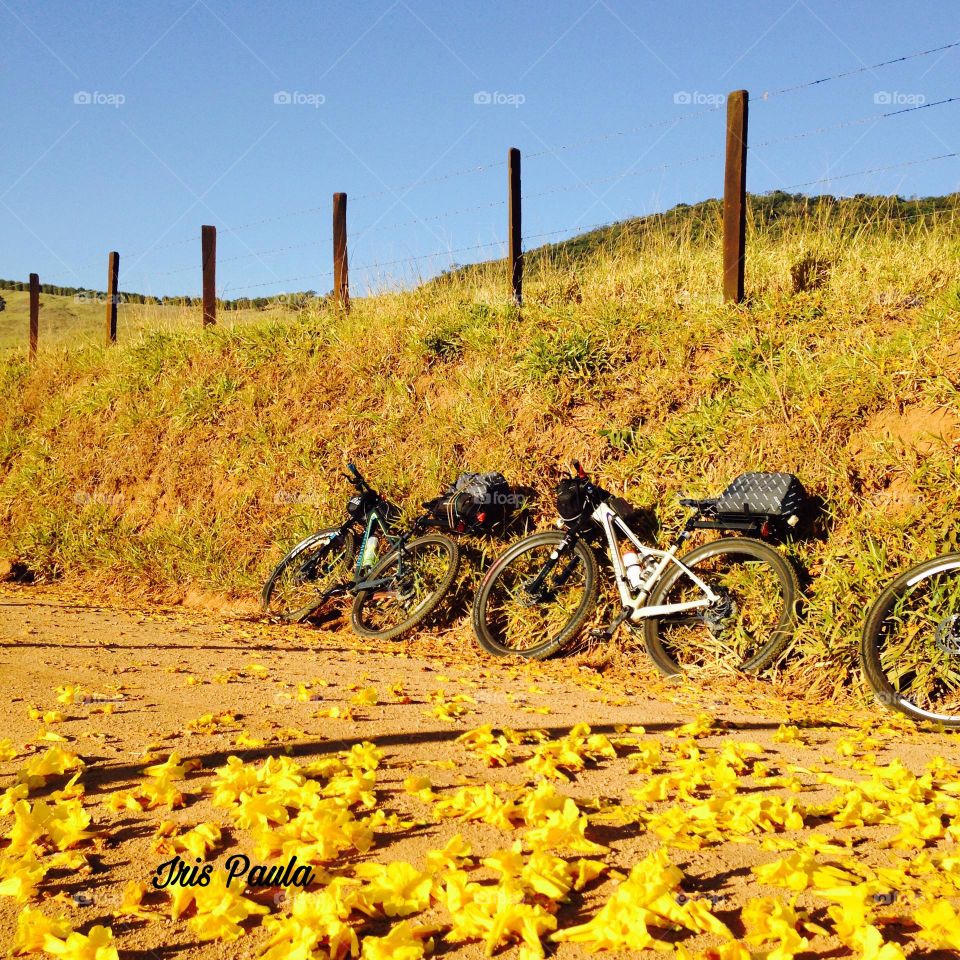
(293, 301)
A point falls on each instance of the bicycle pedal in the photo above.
(606, 633)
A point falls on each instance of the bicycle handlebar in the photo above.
(355, 477)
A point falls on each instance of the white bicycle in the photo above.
(732, 601)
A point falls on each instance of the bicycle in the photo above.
(733, 599)
(910, 645)
(392, 591)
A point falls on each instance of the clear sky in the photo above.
(128, 124)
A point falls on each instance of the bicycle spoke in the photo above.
(731, 631)
(919, 646)
(308, 580)
(405, 587)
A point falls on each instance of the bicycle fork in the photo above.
(535, 587)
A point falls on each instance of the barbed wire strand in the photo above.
(877, 216)
(794, 88)
(367, 231)
(876, 117)
(863, 173)
(371, 230)
(377, 265)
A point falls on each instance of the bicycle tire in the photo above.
(423, 609)
(875, 633)
(665, 653)
(326, 541)
(487, 636)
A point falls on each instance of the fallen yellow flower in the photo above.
(33, 928)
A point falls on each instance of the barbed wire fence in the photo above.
(512, 245)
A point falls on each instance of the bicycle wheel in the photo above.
(746, 629)
(302, 581)
(514, 614)
(910, 648)
(415, 580)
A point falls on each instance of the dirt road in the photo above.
(125, 688)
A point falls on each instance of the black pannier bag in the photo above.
(360, 505)
(473, 503)
(766, 504)
(571, 499)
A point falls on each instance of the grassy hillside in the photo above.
(186, 459)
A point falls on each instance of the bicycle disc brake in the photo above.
(948, 635)
(533, 598)
(306, 574)
(719, 612)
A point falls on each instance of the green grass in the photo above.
(188, 458)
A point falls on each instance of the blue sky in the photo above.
(130, 124)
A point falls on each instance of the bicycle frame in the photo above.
(373, 519)
(361, 579)
(613, 526)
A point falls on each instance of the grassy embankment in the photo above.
(185, 459)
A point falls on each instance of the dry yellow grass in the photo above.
(185, 459)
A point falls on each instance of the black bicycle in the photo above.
(732, 600)
(910, 648)
(397, 578)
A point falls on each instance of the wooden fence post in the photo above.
(735, 197)
(341, 266)
(34, 314)
(208, 243)
(113, 276)
(514, 230)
